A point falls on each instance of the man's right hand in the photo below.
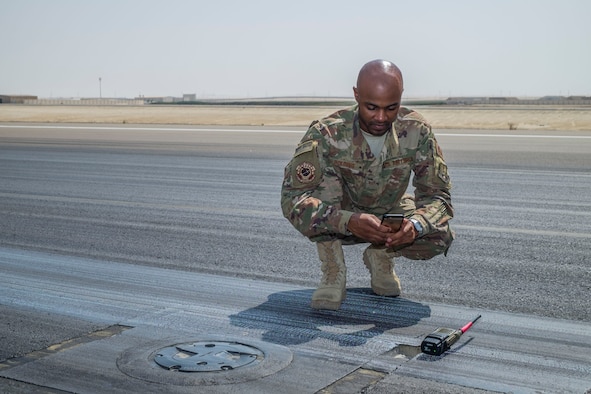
(368, 227)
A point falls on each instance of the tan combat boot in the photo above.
(380, 263)
(332, 289)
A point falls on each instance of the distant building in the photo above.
(546, 100)
(15, 99)
(84, 101)
(466, 100)
(160, 99)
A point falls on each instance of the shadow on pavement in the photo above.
(287, 319)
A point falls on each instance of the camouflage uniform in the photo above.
(333, 174)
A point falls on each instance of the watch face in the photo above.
(418, 226)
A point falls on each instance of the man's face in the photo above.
(378, 107)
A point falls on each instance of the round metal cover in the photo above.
(207, 356)
(138, 362)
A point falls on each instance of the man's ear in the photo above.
(356, 94)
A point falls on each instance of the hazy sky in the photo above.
(260, 48)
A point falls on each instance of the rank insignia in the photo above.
(305, 172)
(442, 173)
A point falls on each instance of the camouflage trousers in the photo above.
(436, 242)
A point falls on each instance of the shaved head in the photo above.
(378, 94)
(380, 72)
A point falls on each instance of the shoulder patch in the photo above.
(306, 171)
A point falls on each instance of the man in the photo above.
(354, 166)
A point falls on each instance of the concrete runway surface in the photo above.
(119, 241)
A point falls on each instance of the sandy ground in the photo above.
(473, 117)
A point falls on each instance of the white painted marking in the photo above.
(514, 135)
(197, 129)
(151, 129)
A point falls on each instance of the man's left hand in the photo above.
(406, 235)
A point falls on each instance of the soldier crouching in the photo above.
(355, 165)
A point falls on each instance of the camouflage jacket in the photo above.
(333, 174)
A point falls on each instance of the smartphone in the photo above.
(393, 220)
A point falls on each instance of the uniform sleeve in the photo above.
(432, 184)
(311, 192)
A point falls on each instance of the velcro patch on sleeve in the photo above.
(442, 172)
(306, 165)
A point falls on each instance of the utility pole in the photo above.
(100, 88)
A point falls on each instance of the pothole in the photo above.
(405, 352)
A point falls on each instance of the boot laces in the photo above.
(332, 273)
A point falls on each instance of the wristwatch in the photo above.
(418, 227)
